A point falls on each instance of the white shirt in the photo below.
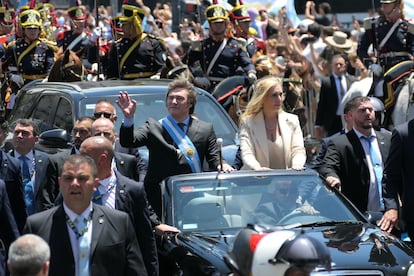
(72, 236)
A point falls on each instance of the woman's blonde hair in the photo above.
(262, 88)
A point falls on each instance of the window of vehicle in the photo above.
(63, 118)
(269, 200)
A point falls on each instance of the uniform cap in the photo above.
(7, 15)
(216, 13)
(240, 12)
(46, 7)
(78, 12)
(30, 19)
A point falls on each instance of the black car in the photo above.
(210, 208)
(56, 105)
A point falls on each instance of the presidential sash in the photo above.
(184, 143)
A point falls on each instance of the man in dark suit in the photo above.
(397, 181)
(173, 149)
(119, 192)
(105, 245)
(10, 173)
(8, 229)
(105, 109)
(82, 130)
(329, 110)
(25, 136)
(348, 160)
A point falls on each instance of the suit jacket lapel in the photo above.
(193, 128)
(120, 193)
(98, 220)
(259, 132)
(286, 134)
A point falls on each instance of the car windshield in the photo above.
(153, 105)
(270, 200)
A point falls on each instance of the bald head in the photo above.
(104, 127)
(101, 151)
(29, 255)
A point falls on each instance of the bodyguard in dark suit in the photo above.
(10, 173)
(168, 153)
(347, 162)
(25, 136)
(397, 181)
(119, 192)
(8, 229)
(111, 247)
(328, 113)
(125, 164)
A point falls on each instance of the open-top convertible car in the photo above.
(210, 208)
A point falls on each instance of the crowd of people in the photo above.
(100, 194)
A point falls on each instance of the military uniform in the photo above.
(399, 46)
(232, 59)
(139, 57)
(31, 60)
(145, 59)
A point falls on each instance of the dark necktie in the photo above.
(97, 196)
(27, 184)
(341, 87)
(182, 126)
(375, 193)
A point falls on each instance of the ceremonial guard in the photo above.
(137, 54)
(29, 57)
(220, 55)
(77, 38)
(48, 15)
(7, 17)
(242, 31)
(392, 39)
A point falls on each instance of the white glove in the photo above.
(252, 77)
(17, 79)
(97, 32)
(376, 70)
(202, 82)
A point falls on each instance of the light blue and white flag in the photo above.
(290, 10)
(409, 9)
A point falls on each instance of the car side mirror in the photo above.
(52, 140)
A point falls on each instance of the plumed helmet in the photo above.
(30, 19)
(77, 12)
(132, 14)
(7, 15)
(282, 250)
(240, 12)
(46, 10)
(216, 13)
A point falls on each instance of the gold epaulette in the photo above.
(11, 44)
(368, 23)
(196, 46)
(52, 44)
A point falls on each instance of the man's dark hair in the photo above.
(77, 159)
(326, 7)
(26, 123)
(315, 29)
(183, 83)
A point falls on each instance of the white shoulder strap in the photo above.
(213, 61)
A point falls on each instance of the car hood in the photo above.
(353, 246)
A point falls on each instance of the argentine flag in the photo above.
(409, 9)
(290, 10)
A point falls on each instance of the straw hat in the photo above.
(339, 40)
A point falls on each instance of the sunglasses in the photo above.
(99, 115)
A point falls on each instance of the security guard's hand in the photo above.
(17, 79)
(252, 77)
